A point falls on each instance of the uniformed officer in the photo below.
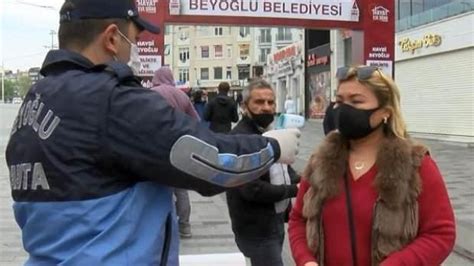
(92, 154)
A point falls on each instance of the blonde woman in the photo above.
(371, 195)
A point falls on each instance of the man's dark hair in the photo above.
(78, 34)
(224, 87)
(197, 96)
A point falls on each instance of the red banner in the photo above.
(378, 18)
(150, 45)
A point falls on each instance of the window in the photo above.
(257, 71)
(417, 6)
(264, 52)
(244, 51)
(284, 34)
(168, 29)
(348, 51)
(265, 36)
(204, 51)
(218, 53)
(404, 9)
(183, 54)
(183, 75)
(203, 31)
(229, 51)
(244, 72)
(218, 31)
(183, 35)
(205, 73)
(244, 31)
(228, 74)
(167, 49)
(407, 8)
(218, 73)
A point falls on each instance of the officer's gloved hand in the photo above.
(288, 139)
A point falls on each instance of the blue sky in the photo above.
(24, 31)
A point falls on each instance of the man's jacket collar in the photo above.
(60, 60)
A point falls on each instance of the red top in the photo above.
(436, 232)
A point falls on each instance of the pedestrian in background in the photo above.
(93, 155)
(239, 101)
(221, 111)
(370, 195)
(200, 103)
(165, 85)
(258, 210)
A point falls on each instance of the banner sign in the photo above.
(379, 38)
(318, 82)
(149, 64)
(150, 46)
(340, 10)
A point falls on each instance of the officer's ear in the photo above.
(111, 39)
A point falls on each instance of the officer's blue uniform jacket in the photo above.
(92, 156)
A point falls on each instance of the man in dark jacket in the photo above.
(221, 111)
(93, 155)
(257, 210)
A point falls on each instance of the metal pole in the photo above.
(3, 83)
(52, 33)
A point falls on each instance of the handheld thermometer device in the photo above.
(289, 121)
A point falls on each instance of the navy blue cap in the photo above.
(105, 9)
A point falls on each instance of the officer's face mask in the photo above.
(134, 61)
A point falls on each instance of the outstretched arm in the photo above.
(153, 141)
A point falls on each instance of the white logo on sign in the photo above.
(380, 13)
(175, 7)
(355, 12)
(147, 6)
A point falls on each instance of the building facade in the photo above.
(434, 70)
(279, 59)
(204, 56)
(285, 70)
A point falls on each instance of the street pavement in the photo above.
(209, 216)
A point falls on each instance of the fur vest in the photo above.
(397, 182)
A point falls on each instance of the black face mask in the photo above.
(353, 123)
(262, 120)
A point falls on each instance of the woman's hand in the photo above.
(311, 263)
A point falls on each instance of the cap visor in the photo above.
(146, 25)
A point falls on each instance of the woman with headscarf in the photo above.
(163, 82)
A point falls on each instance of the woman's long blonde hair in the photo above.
(388, 95)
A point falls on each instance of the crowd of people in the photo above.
(104, 170)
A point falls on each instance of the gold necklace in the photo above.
(359, 165)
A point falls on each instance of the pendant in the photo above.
(359, 165)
